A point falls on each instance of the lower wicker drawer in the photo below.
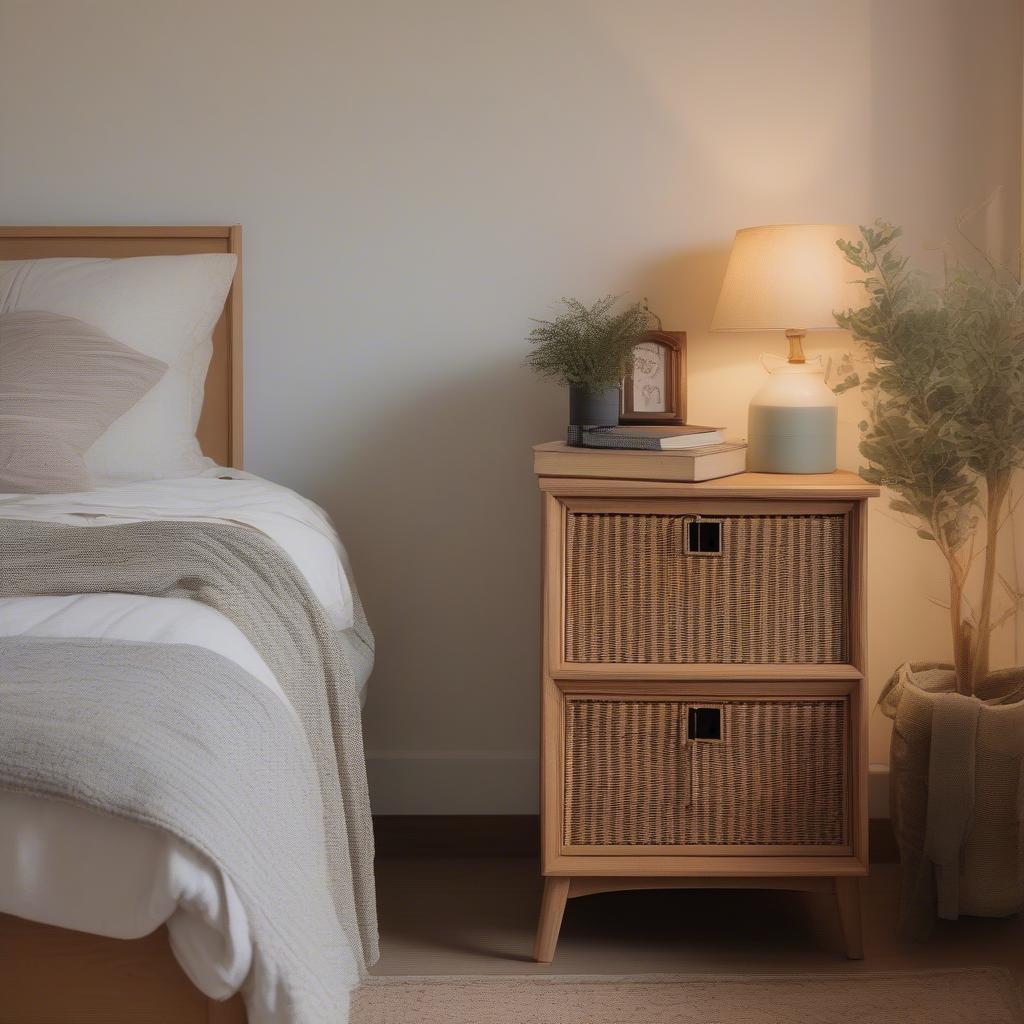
(753, 773)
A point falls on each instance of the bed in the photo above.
(53, 975)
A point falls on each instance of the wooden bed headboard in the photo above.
(220, 426)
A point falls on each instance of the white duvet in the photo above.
(298, 526)
(77, 868)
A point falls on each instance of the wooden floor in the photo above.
(451, 916)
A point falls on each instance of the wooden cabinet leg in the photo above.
(848, 901)
(552, 907)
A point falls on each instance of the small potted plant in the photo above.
(589, 349)
(944, 431)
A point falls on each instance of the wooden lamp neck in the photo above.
(796, 345)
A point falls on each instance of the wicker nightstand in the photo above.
(703, 713)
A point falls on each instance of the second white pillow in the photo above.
(163, 306)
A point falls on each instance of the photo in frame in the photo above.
(654, 390)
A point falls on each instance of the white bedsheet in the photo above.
(156, 620)
(78, 868)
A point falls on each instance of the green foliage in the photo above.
(945, 398)
(589, 347)
(910, 441)
(987, 357)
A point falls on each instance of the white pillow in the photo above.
(163, 306)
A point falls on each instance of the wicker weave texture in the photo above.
(777, 777)
(775, 595)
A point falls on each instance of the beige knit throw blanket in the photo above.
(183, 739)
(957, 793)
(249, 579)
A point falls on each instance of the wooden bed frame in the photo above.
(51, 975)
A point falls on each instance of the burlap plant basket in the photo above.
(957, 795)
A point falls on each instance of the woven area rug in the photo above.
(977, 996)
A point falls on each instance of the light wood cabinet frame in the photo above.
(572, 871)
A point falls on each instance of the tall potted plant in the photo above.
(944, 431)
(589, 349)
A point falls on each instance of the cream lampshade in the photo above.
(792, 278)
(787, 277)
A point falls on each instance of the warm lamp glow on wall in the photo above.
(792, 278)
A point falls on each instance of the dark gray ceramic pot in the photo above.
(593, 408)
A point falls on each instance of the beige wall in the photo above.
(417, 179)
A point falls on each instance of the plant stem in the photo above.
(997, 484)
(959, 628)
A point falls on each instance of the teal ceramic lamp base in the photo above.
(784, 439)
(791, 426)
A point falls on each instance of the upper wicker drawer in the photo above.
(641, 589)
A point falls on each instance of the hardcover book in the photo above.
(645, 438)
(688, 465)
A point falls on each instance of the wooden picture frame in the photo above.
(654, 391)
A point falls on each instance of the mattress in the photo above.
(72, 867)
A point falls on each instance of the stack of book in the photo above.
(706, 453)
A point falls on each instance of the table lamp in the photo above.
(792, 278)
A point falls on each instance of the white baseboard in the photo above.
(492, 782)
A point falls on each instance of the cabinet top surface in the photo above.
(556, 460)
